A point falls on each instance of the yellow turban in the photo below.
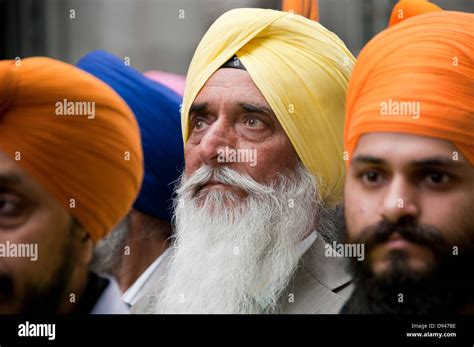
(302, 70)
(427, 59)
(75, 136)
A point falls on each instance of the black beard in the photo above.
(444, 290)
(47, 300)
(43, 300)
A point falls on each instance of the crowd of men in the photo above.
(290, 177)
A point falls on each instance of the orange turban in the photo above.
(75, 136)
(426, 61)
(409, 8)
(305, 8)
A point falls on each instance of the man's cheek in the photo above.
(447, 216)
(14, 274)
(353, 211)
(364, 209)
(352, 225)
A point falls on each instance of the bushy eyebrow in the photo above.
(198, 107)
(255, 108)
(437, 161)
(431, 161)
(368, 159)
(9, 180)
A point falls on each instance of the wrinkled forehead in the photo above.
(232, 85)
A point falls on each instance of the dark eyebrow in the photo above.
(368, 159)
(255, 108)
(434, 161)
(9, 179)
(437, 161)
(198, 107)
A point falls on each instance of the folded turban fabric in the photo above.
(302, 70)
(426, 59)
(75, 136)
(409, 8)
(156, 108)
(172, 81)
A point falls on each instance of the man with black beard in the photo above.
(409, 191)
(444, 287)
(66, 179)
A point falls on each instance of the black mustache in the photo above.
(408, 229)
(6, 287)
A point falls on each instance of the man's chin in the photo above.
(215, 200)
(221, 188)
(8, 307)
(28, 305)
(400, 263)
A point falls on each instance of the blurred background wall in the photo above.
(161, 34)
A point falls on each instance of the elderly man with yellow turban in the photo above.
(70, 168)
(262, 120)
(409, 192)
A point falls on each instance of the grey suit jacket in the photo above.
(321, 284)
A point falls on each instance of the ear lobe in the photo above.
(85, 246)
(87, 250)
(85, 236)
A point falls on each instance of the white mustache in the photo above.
(223, 175)
(236, 258)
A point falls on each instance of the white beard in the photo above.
(237, 257)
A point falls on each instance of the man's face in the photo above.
(230, 113)
(405, 197)
(30, 216)
(249, 237)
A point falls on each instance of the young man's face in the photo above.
(30, 218)
(409, 199)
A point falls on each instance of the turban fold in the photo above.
(156, 109)
(75, 136)
(302, 70)
(306, 8)
(427, 59)
(409, 8)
